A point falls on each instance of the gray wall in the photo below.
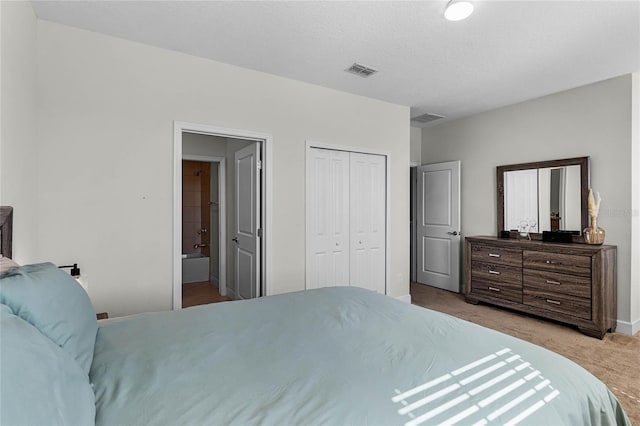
(18, 140)
(416, 145)
(106, 105)
(593, 120)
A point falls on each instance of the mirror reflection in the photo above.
(544, 199)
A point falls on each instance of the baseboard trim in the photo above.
(406, 298)
(628, 328)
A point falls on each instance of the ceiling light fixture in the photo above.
(457, 10)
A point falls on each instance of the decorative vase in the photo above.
(593, 234)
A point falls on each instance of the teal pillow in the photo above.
(40, 383)
(53, 302)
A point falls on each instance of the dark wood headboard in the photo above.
(6, 231)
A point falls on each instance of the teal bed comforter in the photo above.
(335, 356)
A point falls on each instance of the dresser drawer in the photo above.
(498, 290)
(491, 272)
(496, 255)
(573, 285)
(557, 302)
(565, 263)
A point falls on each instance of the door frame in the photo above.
(266, 141)
(413, 184)
(387, 244)
(222, 217)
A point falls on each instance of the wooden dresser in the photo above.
(570, 283)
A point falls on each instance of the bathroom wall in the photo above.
(205, 209)
(196, 194)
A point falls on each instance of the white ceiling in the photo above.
(506, 52)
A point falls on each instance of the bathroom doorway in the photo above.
(203, 200)
(210, 237)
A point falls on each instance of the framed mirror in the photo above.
(543, 196)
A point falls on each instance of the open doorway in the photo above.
(203, 223)
(221, 215)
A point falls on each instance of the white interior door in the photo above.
(247, 222)
(327, 218)
(367, 212)
(438, 225)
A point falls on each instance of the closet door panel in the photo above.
(367, 211)
(328, 219)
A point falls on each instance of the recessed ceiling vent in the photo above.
(426, 118)
(361, 70)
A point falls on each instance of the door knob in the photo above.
(234, 239)
(453, 233)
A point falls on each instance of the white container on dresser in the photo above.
(571, 283)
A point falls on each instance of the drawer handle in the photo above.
(494, 272)
(555, 302)
(553, 282)
(552, 262)
(494, 255)
(494, 289)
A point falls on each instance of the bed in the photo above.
(332, 356)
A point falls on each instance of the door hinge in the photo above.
(259, 163)
(259, 232)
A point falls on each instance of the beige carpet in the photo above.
(615, 360)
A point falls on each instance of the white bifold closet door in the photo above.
(367, 210)
(346, 217)
(328, 219)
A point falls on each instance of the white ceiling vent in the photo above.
(426, 118)
(361, 70)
